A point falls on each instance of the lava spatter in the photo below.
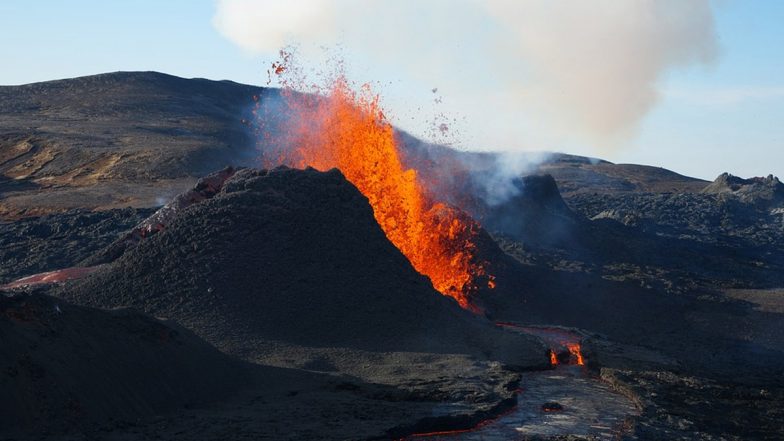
(344, 129)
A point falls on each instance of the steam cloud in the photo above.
(570, 68)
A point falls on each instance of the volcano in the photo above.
(292, 257)
(316, 288)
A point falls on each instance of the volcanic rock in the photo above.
(64, 366)
(205, 188)
(59, 240)
(768, 190)
(292, 257)
(535, 214)
(677, 406)
(71, 372)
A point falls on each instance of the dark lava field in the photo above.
(205, 297)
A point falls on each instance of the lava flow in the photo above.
(348, 130)
(574, 349)
(564, 344)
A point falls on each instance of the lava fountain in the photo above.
(339, 127)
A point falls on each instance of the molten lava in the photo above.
(348, 130)
(574, 349)
(559, 340)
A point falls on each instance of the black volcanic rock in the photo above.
(65, 366)
(59, 240)
(205, 188)
(292, 257)
(71, 372)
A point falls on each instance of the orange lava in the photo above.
(574, 349)
(348, 130)
(556, 338)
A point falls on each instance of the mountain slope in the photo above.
(139, 138)
(115, 140)
(292, 257)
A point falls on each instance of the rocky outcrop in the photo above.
(760, 191)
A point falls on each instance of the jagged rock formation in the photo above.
(763, 191)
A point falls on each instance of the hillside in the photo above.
(116, 140)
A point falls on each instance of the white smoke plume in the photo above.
(586, 70)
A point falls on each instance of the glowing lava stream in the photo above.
(348, 130)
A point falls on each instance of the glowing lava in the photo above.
(348, 130)
(574, 349)
(559, 340)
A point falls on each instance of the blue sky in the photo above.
(726, 116)
(729, 116)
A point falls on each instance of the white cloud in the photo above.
(589, 69)
(265, 26)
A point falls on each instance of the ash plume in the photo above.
(524, 74)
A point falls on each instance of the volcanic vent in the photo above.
(294, 257)
(348, 130)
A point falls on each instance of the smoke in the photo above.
(501, 181)
(268, 25)
(511, 69)
(596, 64)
